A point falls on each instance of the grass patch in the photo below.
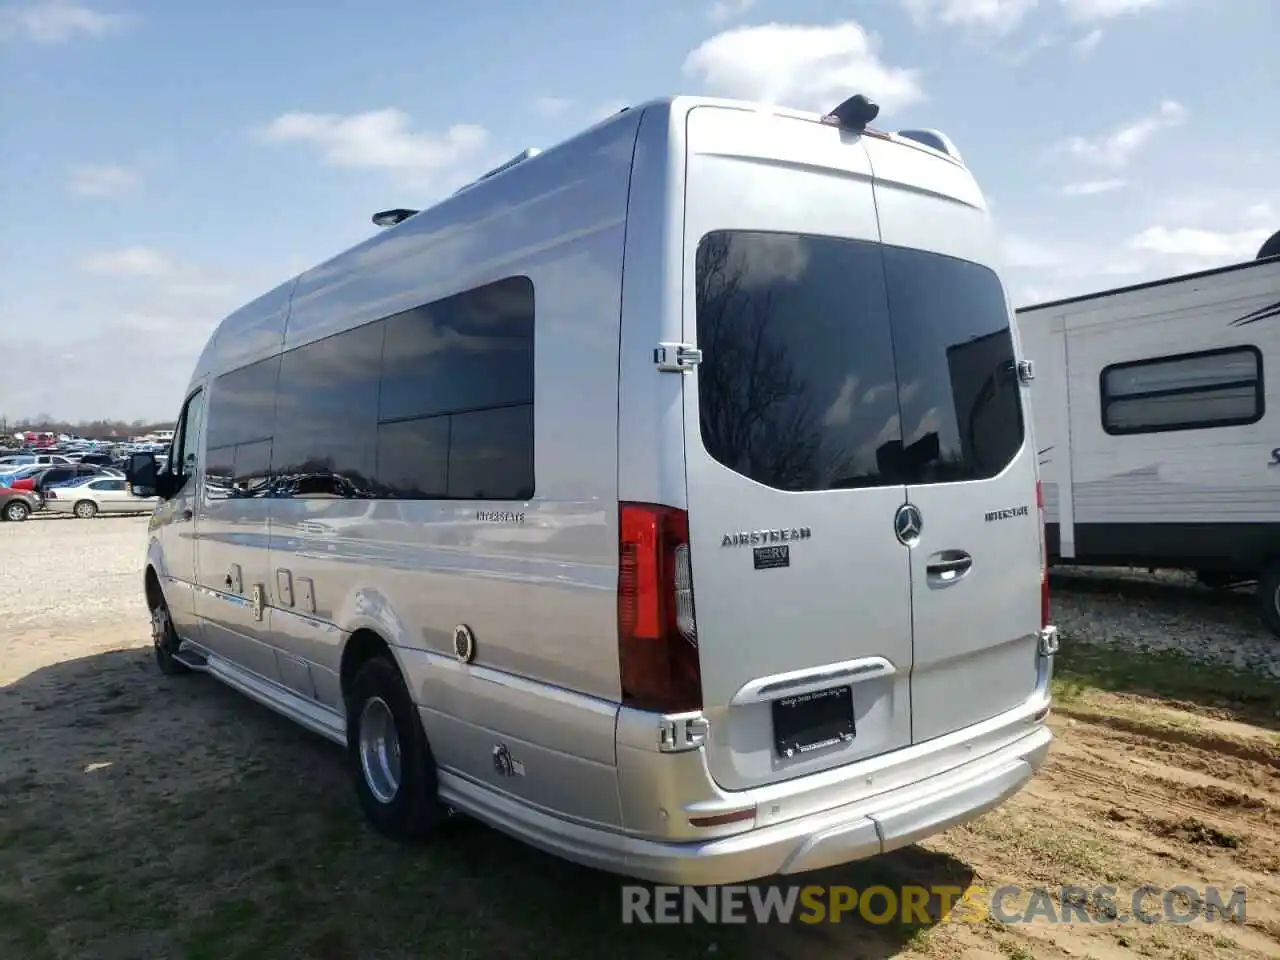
(1166, 675)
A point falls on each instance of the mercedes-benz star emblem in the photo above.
(907, 523)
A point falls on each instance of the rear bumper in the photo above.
(836, 834)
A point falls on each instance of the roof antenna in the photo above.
(389, 218)
(854, 114)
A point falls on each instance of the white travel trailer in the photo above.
(631, 500)
(1159, 441)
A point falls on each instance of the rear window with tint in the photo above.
(832, 363)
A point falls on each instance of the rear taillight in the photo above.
(657, 632)
(1044, 558)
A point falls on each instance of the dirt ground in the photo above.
(143, 816)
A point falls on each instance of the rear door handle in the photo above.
(949, 565)
(187, 514)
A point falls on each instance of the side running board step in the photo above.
(192, 659)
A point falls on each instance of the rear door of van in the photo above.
(802, 591)
(970, 464)
(864, 574)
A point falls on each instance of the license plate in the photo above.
(811, 721)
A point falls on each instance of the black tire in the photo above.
(165, 642)
(16, 510)
(1269, 597)
(413, 810)
(85, 509)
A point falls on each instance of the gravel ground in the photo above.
(58, 570)
(1167, 610)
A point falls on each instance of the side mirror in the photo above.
(141, 474)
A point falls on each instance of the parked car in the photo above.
(42, 480)
(10, 475)
(753, 582)
(88, 497)
(17, 505)
(22, 459)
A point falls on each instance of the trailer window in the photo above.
(1188, 391)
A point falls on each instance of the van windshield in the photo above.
(832, 363)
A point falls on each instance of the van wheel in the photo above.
(16, 510)
(165, 641)
(86, 510)
(1269, 596)
(388, 754)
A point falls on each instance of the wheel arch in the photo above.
(363, 645)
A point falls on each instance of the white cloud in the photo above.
(1088, 43)
(101, 180)
(551, 106)
(722, 11)
(1021, 251)
(56, 21)
(384, 140)
(1119, 147)
(1192, 243)
(1087, 11)
(1001, 16)
(1089, 188)
(1260, 211)
(145, 310)
(128, 262)
(804, 67)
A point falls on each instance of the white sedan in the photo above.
(96, 495)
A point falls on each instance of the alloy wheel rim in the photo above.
(379, 745)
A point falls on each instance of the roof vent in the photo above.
(520, 157)
(389, 218)
(933, 138)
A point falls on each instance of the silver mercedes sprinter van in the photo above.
(666, 499)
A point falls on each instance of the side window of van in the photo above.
(184, 453)
(325, 441)
(455, 408)
(832, 363)
(241, 419)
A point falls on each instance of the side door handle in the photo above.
(187, 514)
(949, 565)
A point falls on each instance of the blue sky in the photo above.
(164, 162)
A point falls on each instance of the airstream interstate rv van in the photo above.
(667, 499)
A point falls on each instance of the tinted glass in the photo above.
(958, 381)
(466, 352)
(251, 469)
(491, 454)
(1187, 392)
(242, 407)
(413, 459)
(796, 388)
(325, 441)
(186, 442)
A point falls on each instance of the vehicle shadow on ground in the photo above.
(147, 815)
